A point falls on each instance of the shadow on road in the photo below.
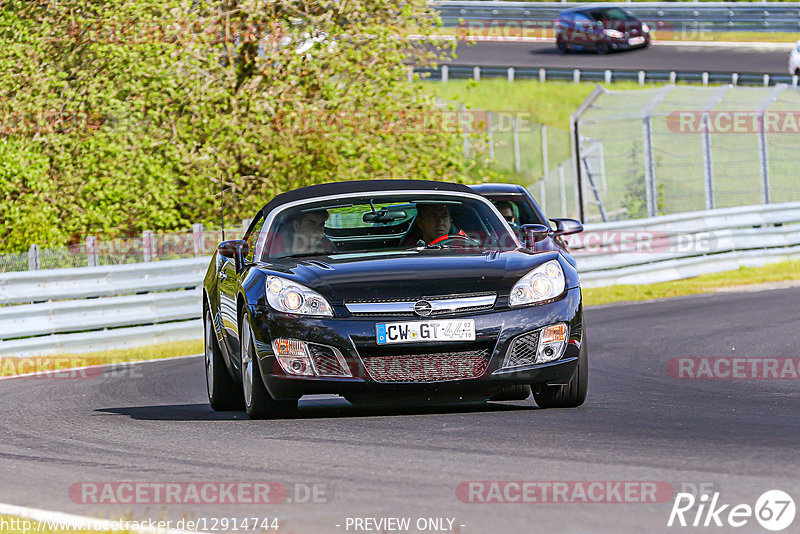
(308, 409)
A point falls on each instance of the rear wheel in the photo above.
(224, 394)
(257, 401)
(571, 395)
(562, 46)
(601, 48)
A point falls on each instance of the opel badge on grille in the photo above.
(423, 308)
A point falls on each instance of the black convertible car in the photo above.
(387, 291)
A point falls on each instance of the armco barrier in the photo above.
(98, 308)
(674, 16)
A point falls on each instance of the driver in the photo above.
(432, 222)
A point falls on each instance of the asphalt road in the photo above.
(656, 57)
(151, 423)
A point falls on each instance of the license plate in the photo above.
(633, 41)
(422, 331)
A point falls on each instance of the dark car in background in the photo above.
(392, 291)
(601, 29)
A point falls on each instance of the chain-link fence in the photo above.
(682, 148)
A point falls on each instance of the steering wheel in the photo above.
(443, 239)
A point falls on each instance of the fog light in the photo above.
(552, 341)
(292, 355)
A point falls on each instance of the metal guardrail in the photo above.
(461, 72)
(72, 320)
(676, 16)
(672, 247)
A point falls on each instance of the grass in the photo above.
(707, 283)
(11, 366)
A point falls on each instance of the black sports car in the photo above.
(388, 291)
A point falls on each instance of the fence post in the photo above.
(545, 162)
(91, 251)
(465, 139)
(199, 239)
(649, 167)
(490, 127)
(33, 258)
(708, 169)
(517, 163)
(562, 185)
(410, 73)
(445, 72)
(148, 246)
(542, 195)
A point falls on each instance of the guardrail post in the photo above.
(476, 74)
(766, 80)
(705, 79)
(673, 77)
(510, 74)
(199, 239)
(33, 258)
(607, 75)
(148, 246)
(91, 251)
(542, 75)
(794, 80)
(641, 78)
(735, 78)
(445, 71)
(410, 73)
(576, 75)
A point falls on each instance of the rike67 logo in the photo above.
(774, 510)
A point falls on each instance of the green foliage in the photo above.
(124, 115)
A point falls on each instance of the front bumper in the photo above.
(355, 337)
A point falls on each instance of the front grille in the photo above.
(426, 366)
(522, 350)
(403, 307)
(326, 361)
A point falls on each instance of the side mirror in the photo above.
(567, 226)
(534, 233)
(235, 249)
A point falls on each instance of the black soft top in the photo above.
(361, 186)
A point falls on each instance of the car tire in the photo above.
(571, 395)
(224, 394)
(512, 393)
(562, 46)
(258, 403)
(601, 48)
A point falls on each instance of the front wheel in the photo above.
(258, 403)
(571, 395)
(224, 394)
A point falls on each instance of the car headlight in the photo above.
(645, 28)
(616, 34)
(291, 297)
(543, 283)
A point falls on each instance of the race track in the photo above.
(152, 423)
(661, 57)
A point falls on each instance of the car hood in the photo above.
(346, 277)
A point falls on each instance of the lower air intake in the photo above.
(326, 361)
(523, 350)
(427, 366)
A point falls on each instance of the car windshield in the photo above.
(613, 13)
(381, 223)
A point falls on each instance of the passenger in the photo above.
(506, 209)
(308, 233)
